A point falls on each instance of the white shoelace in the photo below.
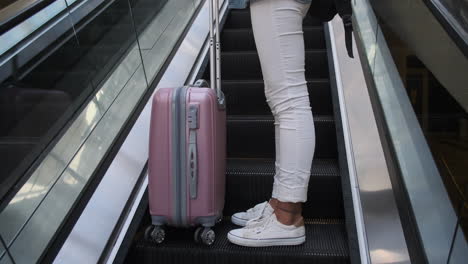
(258, 207)
(262, 225)
(258, 219)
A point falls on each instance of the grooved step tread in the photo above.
(250, 181)
(260, 81)
(270, 118)
(246, 65)
(237, 39)
(266, 167)
(254, 52)
(326, 242)
(254, 136)
(240, 18)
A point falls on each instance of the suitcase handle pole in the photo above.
(215, 49)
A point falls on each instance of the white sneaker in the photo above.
(257, 212)
(268, 232)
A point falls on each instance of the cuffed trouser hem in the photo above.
(287, 194)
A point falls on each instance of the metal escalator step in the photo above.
(71, 82)
(111, 15)
(250, 181)
(145, 11)
(248, 97)
(243, 39)
(326, 242)
(254, 137)
(241, 19)
(245, 65)
(90, 55)
(113, 35)
(12, 151)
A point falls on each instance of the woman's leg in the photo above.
(277, 27)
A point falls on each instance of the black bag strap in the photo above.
(345, 10)
(348, 28)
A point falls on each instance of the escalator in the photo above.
(250, 162)
(75, 99)
(428, 40)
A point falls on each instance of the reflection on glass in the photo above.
(6, 3)
(39, 97)
(158, 38)
(456, 10)
(12, 37)
(2, 247)
(34, 95)
(458, 254)
(367, 28)
(144, 11)
(6, 260)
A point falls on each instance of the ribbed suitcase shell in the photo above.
(170, 198)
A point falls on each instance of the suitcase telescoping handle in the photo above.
(215, 49)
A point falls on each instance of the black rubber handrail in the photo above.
(447, 23)
(14, 15)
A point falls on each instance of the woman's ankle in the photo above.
(273, 202)
(287, 213)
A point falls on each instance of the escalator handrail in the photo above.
(18, 12)
(414, 171)
(451, 25)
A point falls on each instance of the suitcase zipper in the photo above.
(175, 157)
(179, 156)
(183, 156)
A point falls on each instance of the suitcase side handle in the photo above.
(193, 158)
(193, 167)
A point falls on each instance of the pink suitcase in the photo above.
(187, 156)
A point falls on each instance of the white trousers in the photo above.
(277, 28)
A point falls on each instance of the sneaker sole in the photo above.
(266, 242)
(238, 221)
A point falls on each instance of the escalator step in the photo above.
(254, 137)
(114, 35)
(71, 82)
(250, 181)
(241, 19)
(96, 34)
(245, 65)
(243, 39)
(326, 242)
(248, 97)
(145, 11)
(113, 14)
(12, 151)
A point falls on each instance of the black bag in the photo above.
(326, 10)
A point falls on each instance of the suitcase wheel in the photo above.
(204, 235)
(155, 234)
